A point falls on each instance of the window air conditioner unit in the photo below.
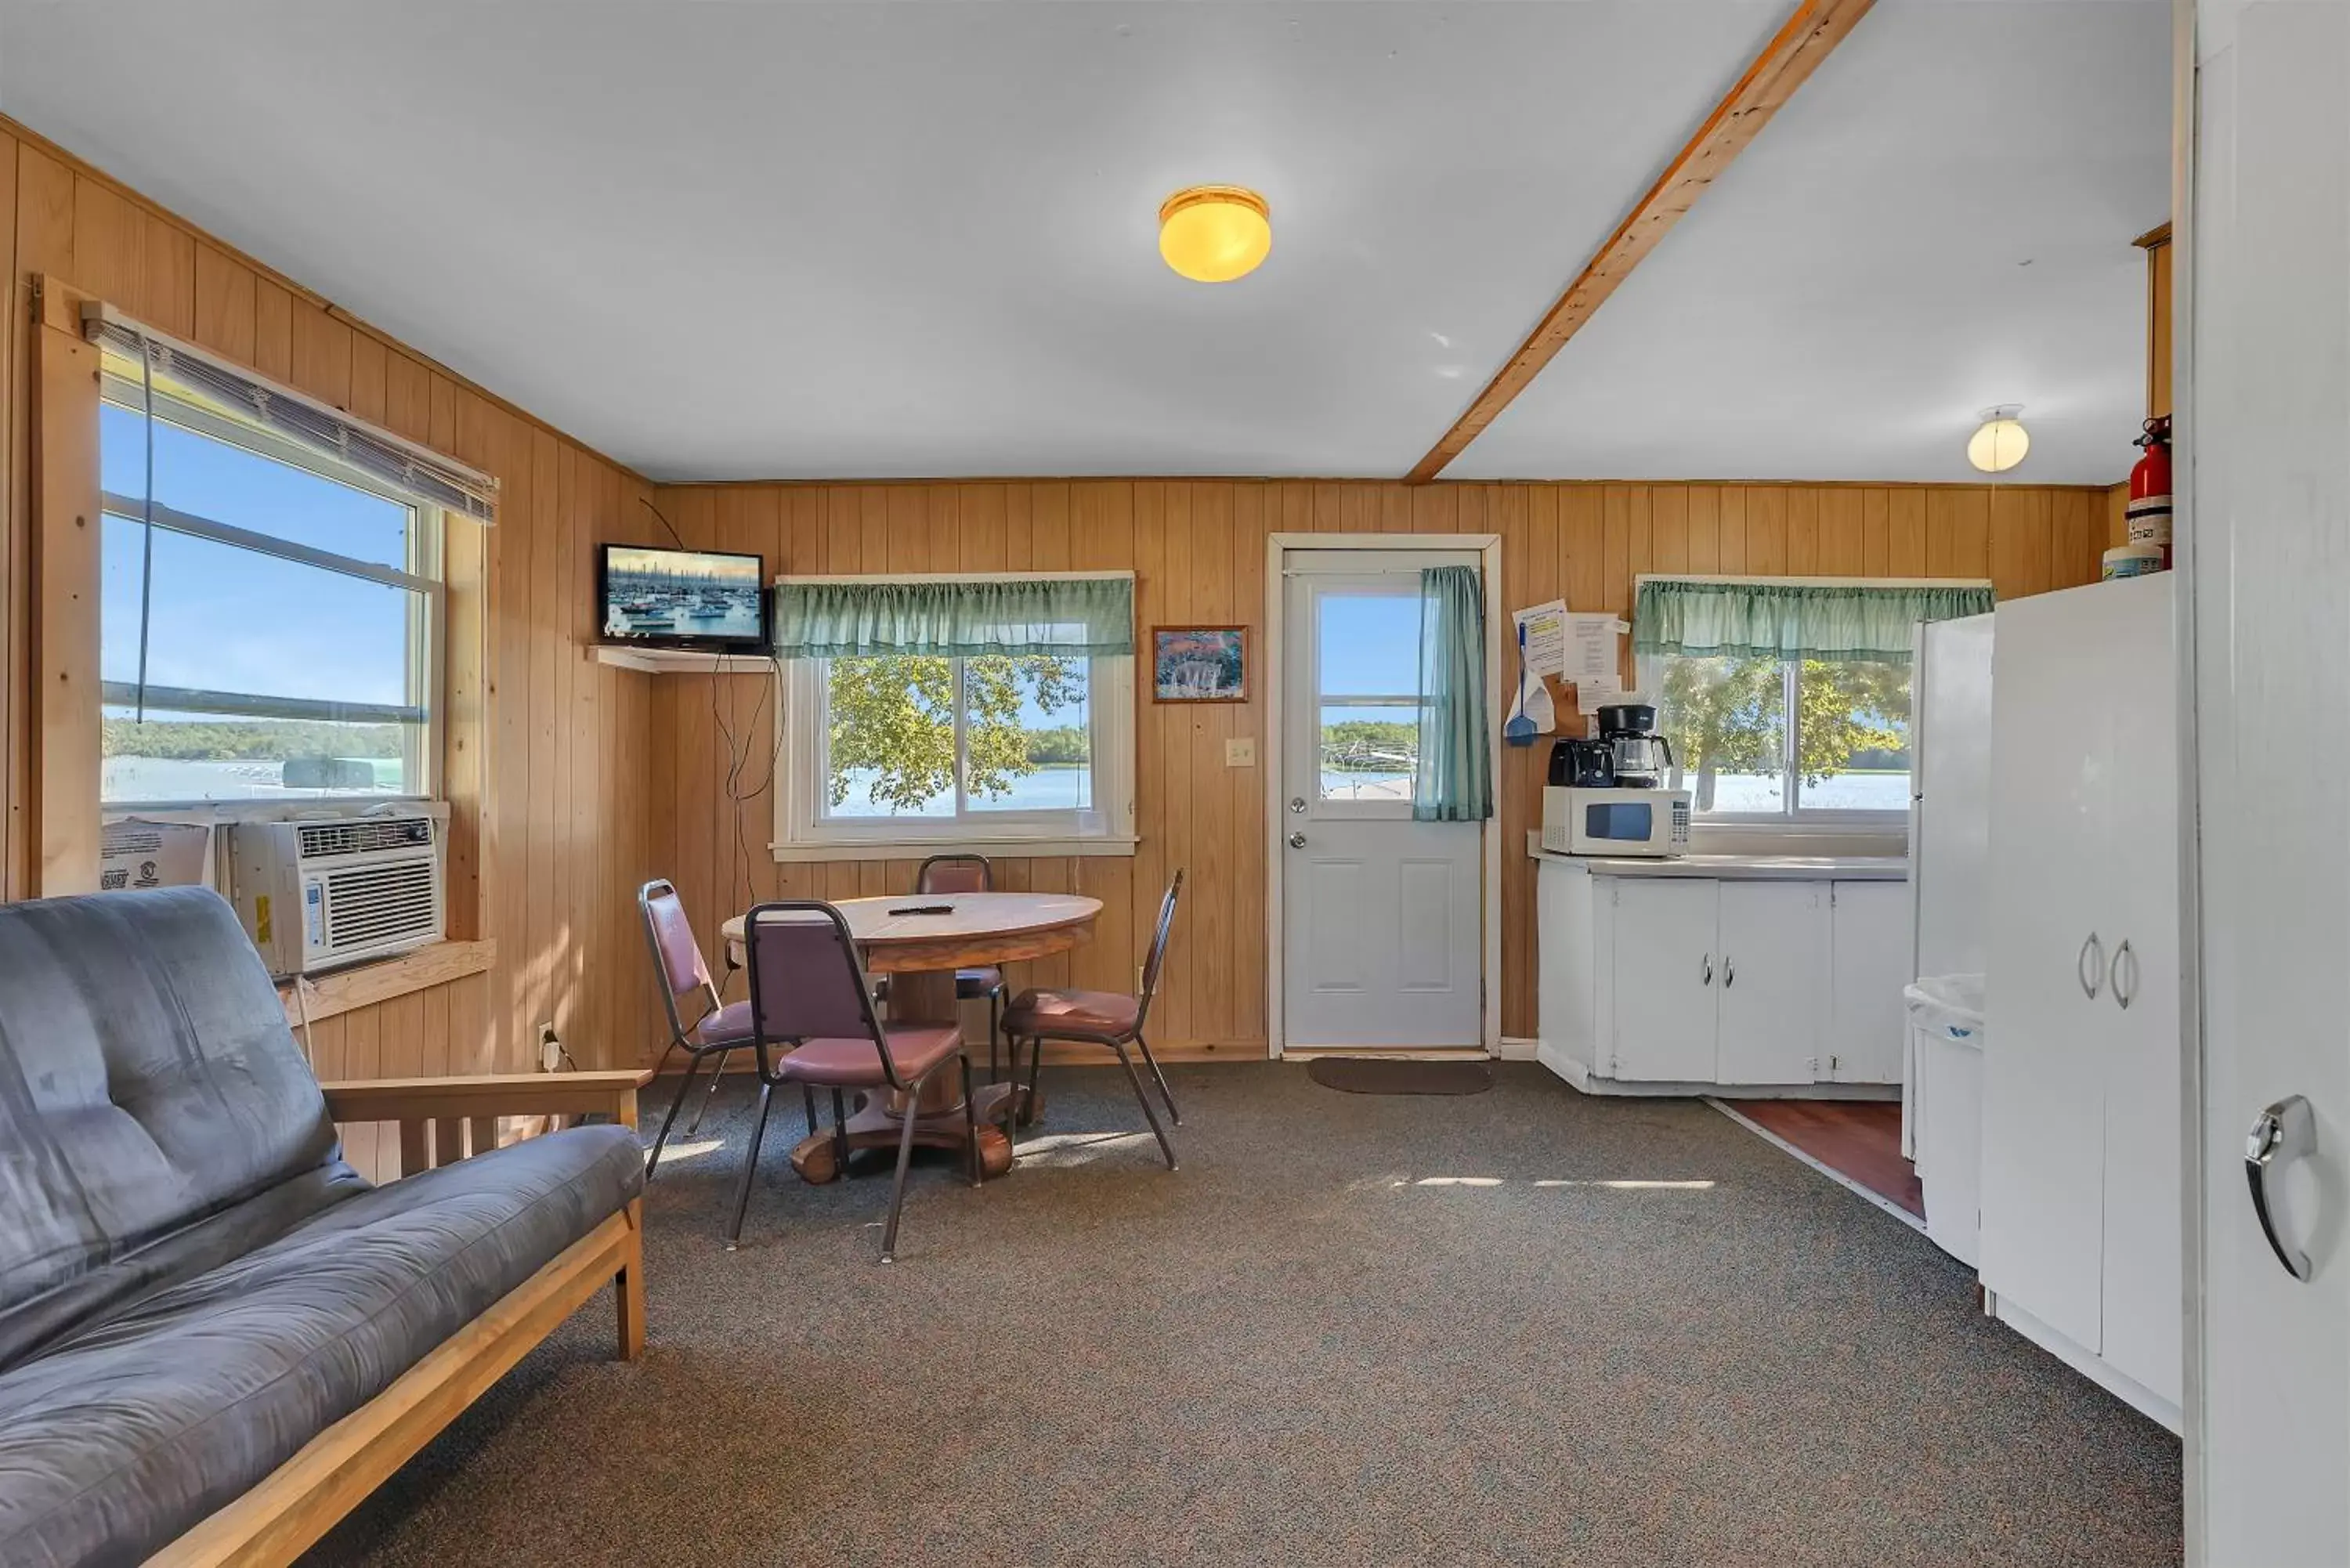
(315, 893)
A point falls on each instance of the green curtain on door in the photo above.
(1455, 781)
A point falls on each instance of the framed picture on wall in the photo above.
(1199, 664)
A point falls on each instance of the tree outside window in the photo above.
(1735, 748)
(894, 744)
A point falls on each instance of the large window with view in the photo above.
(269, 618)
(1767, 739)
(916, 748)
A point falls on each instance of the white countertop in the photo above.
(1737, 867)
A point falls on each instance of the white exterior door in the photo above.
(1382, 944)
(1662, 998)
(1772, 958)
(2266, 417)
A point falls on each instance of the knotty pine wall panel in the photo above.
(550, 778)
(1197, 549)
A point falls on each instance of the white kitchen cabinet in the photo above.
(1773, 973)
(2080, 1235)
(1664, 973)
(1663, 979)
(1869, 944)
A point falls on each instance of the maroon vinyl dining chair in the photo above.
(1100, 1018)
(809, 994)
(970, 874)
(715, 1029)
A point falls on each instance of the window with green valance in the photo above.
(959, 617)
(1712, 617)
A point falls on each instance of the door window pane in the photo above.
(1028, 733)
(1368, 645)
(1726, 720)
(1369, 753)
(1852, 736)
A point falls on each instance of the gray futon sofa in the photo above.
(194, 1286)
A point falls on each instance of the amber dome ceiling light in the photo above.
(1214, 233)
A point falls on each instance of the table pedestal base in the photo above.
(873, 1126)
(939, 1121)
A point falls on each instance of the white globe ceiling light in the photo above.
(2001, 441)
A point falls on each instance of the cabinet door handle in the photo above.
(2090, 971)
(1729, 973)
(2282, 1133)
(1709, 969)
(2125, 971)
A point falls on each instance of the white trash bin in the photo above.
(1946, 1036)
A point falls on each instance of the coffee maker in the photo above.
(1639, 757)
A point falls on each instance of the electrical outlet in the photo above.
(550, 1049)
(1239, 752)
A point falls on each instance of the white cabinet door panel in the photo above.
(1773, 961)
(1870, 951)
(1663, 988)
(2143, 1284)
(2044, 1037)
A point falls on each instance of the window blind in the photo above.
(181, 370)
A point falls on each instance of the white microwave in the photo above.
(1615, 820)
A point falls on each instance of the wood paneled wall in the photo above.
(553, 780)
(1198, 550)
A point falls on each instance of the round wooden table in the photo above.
(920, 953)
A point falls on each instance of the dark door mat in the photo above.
(1374, 1076)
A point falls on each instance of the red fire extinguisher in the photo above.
(2149, 490)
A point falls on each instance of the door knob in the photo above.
(2281, 1134)
(1297, 841)
(1297, 803)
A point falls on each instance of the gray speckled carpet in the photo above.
(1349, 1329)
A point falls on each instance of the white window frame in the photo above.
(422, 577)
(803, 833)
(1794, 817)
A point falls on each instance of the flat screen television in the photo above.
(695, 600)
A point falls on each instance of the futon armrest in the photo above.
(488, 1095)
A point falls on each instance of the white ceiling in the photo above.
(1940, 222)
(770, 240)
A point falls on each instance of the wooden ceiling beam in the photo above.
(1808, 36)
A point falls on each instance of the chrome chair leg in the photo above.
(652, 1160)
(905, 1158)
(750, 1165)
(1150, 1115)
(715, 1079)
(1164, 1092)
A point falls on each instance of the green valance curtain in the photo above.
(1760, 619)
(1455, 781)
(956, 617)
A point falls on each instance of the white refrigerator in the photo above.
(1949, 794)
(1949, 888)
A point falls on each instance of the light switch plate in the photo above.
(1239, 752)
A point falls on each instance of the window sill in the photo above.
(366, 984)
(904, 848)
